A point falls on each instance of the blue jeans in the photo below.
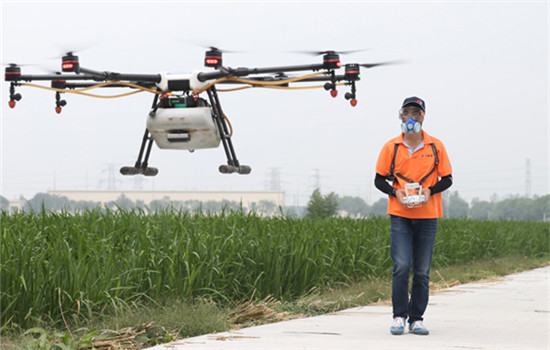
(412, 242)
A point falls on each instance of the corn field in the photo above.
(56, 265)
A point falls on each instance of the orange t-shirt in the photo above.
(415, 167)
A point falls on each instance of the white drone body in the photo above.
(181, 81)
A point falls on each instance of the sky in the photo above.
(481, 67)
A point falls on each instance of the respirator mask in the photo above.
(410, 117)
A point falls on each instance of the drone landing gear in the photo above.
(233, 165)
(229, 169)
(141, 165)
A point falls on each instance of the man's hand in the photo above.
(427, 193)
(400, 194)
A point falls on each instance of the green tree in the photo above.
(320, 206)
(124, 203)
(159, 205)
(47, 201)
(456, 206)
(380, 207)
(85, 205)
(353, 205)
(480, 210)
(542, 208)
(4, 203)
(266, 207)
(522, 209)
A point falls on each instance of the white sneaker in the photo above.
(417, 327)
(398, 326)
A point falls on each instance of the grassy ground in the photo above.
(146, 325)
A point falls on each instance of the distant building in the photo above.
(245, 198)
(15, 205)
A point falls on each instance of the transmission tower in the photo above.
(275, 179)
(317, 178)
(528, 178)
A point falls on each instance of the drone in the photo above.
(180, 117)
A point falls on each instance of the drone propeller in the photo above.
(13, 65)
(208, 47)
(318, 53)
(214, 48)
(71, 50)
(213, 57)
(387, 63)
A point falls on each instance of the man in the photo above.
(419, 161)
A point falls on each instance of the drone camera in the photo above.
(69, 63)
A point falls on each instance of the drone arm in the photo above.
(90, 75)
(285, 79)
(243, 72)
(29, 77)
(112, 76)
(65, 85)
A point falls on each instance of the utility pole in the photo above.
(317, 178)
(275, 179)
(111, 179)
(528, 178)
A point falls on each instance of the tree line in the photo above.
(49, 202)
(516, 208)
(513, 208)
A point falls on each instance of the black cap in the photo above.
(414, 101)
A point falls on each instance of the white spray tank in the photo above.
(181, 127)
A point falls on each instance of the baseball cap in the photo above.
(414, 101)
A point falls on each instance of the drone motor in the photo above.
(331, 60)
(213, 58)
(12, 73)
(70, 63)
